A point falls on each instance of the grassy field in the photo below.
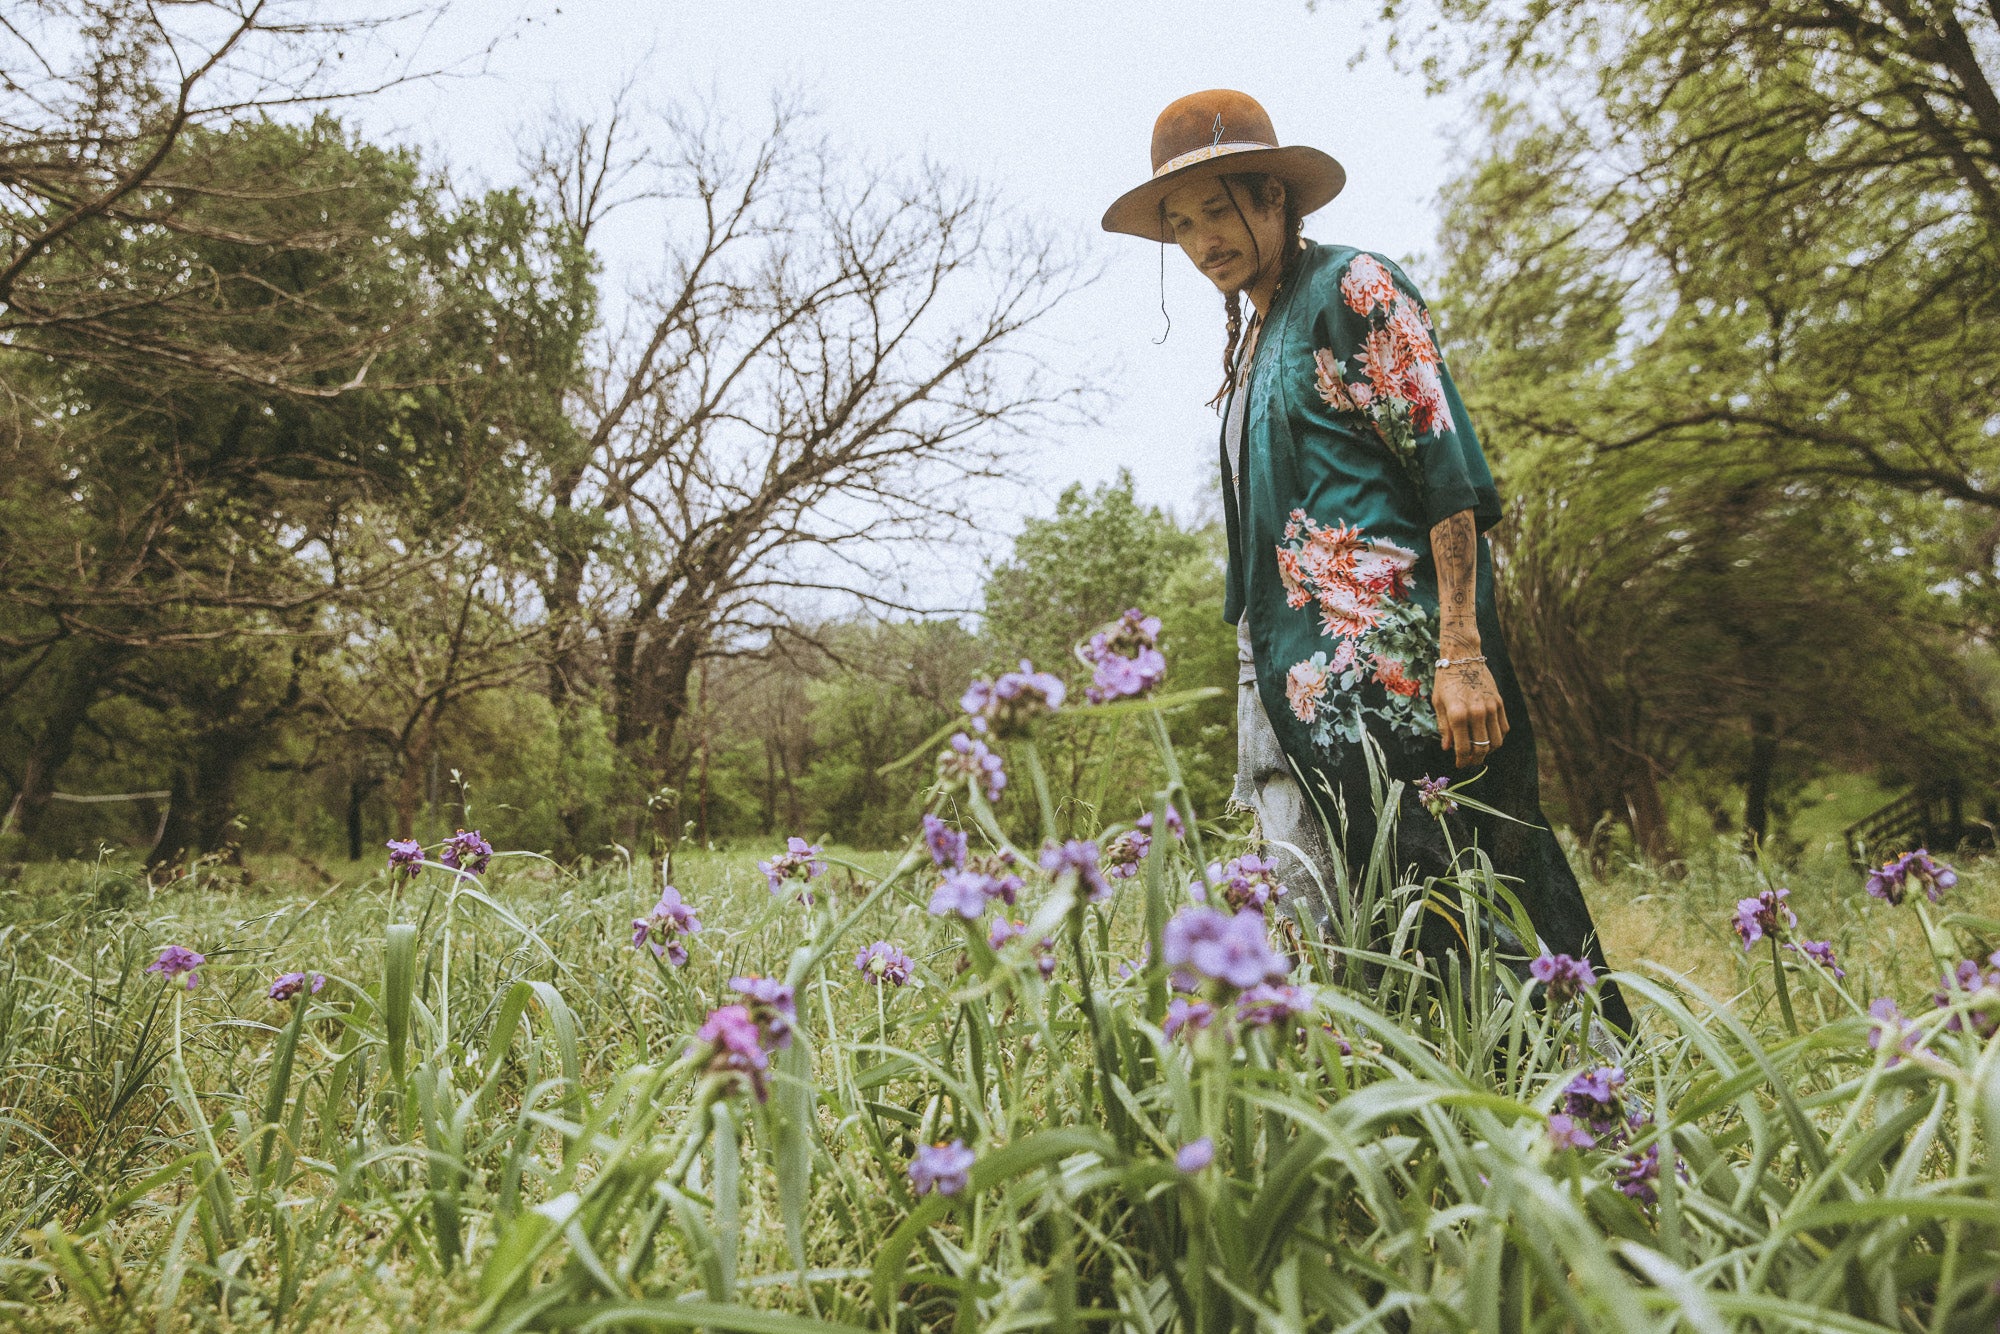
(497, 1113)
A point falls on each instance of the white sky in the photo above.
(1050, 104)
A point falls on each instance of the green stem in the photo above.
(1784, 992)
(1041, 781)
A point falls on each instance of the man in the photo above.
(1356, 498)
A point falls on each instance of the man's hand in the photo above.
(1472, 722)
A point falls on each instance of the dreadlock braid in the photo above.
(1232, 306)
(1258, 186)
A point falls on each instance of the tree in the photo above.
(1679, 583)
(816, 387)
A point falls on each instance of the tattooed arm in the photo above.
(1467, 701)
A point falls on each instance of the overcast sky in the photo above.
(1050, 104)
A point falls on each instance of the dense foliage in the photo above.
(982, 1084)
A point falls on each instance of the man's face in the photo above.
(1210, 228)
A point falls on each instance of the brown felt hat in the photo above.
(1207, 134)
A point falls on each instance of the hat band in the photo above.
(1204, 153)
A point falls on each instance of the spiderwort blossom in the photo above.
(669, 919)
(883, 964)
(1189, 1016)
(1765, 915)
(1889, 1022)
(1126, 658)
(1003, 931)
(1891, 880)
(947, 845)
(406, 855)
(772, 1008)
(1820, 952)
(176, 962)
(289, 985)
(1596, 1099)
(1978, 990)
(1434, 795)
(1565, 978)
(963, 892)
(968, 760)
(944, 1168)
(1124, 853)
(1009, 704)
(1195, 1156)
(1078, 855)
(1935, 876)
(735, 1046)
(1566, 1132)
(1266, 1004)
(1248, 882)
(799, 861)
(1174, 826)
(1637, 1171)
(467, 851)
(1231, 950)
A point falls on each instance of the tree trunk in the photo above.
(357, 792)
(78, 685)
(1757, 781)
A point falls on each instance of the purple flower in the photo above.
(1890, 880)
(1004, 931)
(1594, 1098)
(1195, 1156)
(1126, 657)
(1566, 978)
(1820, 952)
(1174, 826)
(1008, 705)
(1124, 853)
(1232, 950)
(1267, 1003)
(405, 854)
(175, 963)
(1885, 882)
(289, 985)
(669, 919)
(1078, 855)
(1246, 882)
(1935, 876)
(735, 1046)
(771, 1007)
(1434, 794)
(467, 851)
(969, 761)
(1189, 1015)
(1890, 1021)
(1565, 1132)
(944, 1168)
(883, 963)
(1764, 915)
(797, 862)
(961, 892)
(1978, 990)
(947, 845)
(1637, 1171)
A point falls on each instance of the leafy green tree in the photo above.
(1100, 553)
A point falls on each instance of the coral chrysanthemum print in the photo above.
(1393, 378)
(1360, 587)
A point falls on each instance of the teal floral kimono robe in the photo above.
(1354, 444)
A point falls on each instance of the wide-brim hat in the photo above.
(1212, 133)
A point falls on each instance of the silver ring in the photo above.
(1482, 743)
